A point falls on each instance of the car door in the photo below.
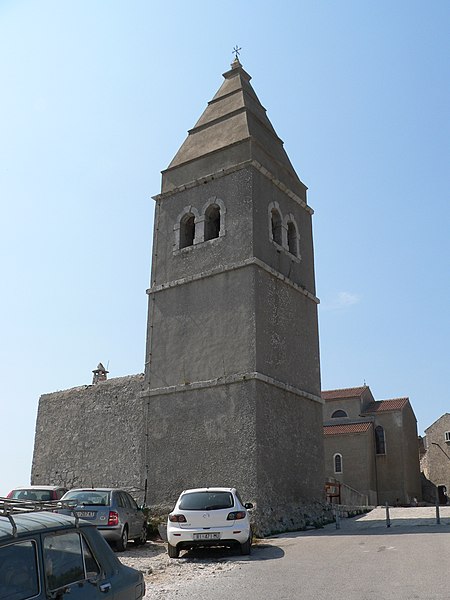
(71, 567)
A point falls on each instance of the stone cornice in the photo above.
(234, 267)
(254, 163)
(230, 379)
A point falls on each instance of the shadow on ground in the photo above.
(260, 551)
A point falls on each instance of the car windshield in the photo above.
(89, 498)
(209, 500)
(33, 494)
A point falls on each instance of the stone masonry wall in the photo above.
(92, 435)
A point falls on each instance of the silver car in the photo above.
(113, 511)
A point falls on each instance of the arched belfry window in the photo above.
(339, 413)
(292, 238)
(276, 227)
(212, 222)
(337, 460)
(380, 441)
(187, 230)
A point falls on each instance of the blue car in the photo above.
(49, 555)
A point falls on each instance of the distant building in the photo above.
(435, 459)
(372, 446)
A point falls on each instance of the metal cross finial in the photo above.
(236, 51)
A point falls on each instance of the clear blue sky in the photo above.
(96, 96)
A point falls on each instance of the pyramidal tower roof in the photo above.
(233, 129)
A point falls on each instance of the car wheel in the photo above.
(141, 540)
(246, 546)
(173, 551)
(122, 544)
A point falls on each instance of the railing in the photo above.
(340, 493)
(10, 507)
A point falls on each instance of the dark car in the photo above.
(113, 511)
(48, 555)
(42, 493)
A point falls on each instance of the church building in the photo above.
(231, 393)
(372, 445)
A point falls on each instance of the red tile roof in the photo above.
(344, 393)
(346, 428)
(383, 405)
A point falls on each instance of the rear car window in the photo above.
(18, 571)
(206, 500)
(89, 498)
(41, 495)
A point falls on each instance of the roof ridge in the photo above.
(357, 387)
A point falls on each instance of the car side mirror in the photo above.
(248, 505)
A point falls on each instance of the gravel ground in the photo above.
(163, 574)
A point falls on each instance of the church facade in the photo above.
(372, 445)
(230, 395)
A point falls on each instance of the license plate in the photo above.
(85, 514)
(206, 536)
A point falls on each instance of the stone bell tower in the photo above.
(232, 363)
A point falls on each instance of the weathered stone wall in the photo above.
(436, 461)
(201, 436)
(248, 434)
(92, 435)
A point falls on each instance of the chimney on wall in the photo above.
(100, 374)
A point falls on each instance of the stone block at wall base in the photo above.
(289, 517)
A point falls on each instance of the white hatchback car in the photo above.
(209, 517)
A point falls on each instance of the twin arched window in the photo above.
(212, 222)
(292, 238)
(193, 227)
(276, 227)
(283, 231)
(187, 230)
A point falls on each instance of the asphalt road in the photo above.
(364, 560)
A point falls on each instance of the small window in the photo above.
(212, 222)
(337, 463)
(292, 238)
(447, 436)
(276, 226)
(187, 230)
(18, 571)
(380, 442)
(338, 414)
